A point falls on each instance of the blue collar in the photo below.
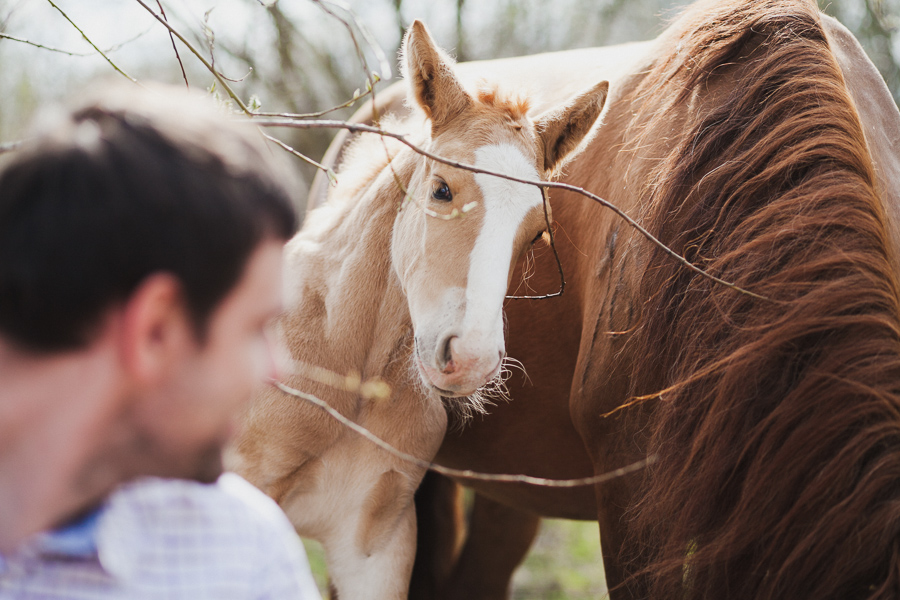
(78, 539)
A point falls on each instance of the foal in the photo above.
(402, 275)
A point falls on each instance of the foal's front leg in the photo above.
(358, 503)
(376, 571)
(363, 509)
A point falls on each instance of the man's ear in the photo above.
(429, 71)
(561, 129)
(156, 329)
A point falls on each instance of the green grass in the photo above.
(564, 564)
(316, 555)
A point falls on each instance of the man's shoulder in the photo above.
(228, 534)
(169, 538)
(231, 506)
(256, 504)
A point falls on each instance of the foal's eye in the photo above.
(442, 192)
(537, 237)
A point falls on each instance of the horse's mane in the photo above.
(777, 432)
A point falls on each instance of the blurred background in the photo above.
(302, 56)
(299, 55)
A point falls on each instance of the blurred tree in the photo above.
(876, 24)
(297, 58)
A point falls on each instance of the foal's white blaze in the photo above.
(478, 346)
(506, 205)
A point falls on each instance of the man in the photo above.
(140, 260)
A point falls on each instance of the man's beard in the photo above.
(144, 457)
(204, 465)
(208, 465)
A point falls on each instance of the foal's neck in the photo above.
(348, 312)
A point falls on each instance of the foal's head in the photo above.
(455, 271)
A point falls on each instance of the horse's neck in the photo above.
(347, 310)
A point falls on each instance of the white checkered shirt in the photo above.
(167, 539)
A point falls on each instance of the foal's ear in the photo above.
(561, 129)
(430, 74)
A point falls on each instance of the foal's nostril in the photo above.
(445, 355)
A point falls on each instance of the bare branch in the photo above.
(43, 47)
(174, 47)
(562, 276)
(462, 473)
(301, 156)
(383, 64)
(128, 41)
(79, 54)
(371, 78)
(237, 79)
(374, 388)
(199, 56)
(356, 96)
(357, 128)
(93, 45)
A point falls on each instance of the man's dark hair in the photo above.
(130, 184)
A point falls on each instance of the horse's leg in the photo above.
(612, 498)
(380, 572)
(440, 521)
(499, 538)
(612, 441)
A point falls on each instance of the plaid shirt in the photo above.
(167, 539)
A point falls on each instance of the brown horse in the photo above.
(402, 275)
(757, 140)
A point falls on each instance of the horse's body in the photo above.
(760, 142)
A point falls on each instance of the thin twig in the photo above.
(356, 96)
(120, 45)
(299, 155)
(562, 276)
(93, 45)
(374, 388)
(200, 57)
(43, 47)
(463, 473)
(358, 128)
(371, 78)
(67, 52)
(237, 79)
(174, 47)
(383, 63)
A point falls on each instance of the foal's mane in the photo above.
(778, 430)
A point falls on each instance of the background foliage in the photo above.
(295, 56)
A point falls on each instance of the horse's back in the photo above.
(879, 116)
(545, 79)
